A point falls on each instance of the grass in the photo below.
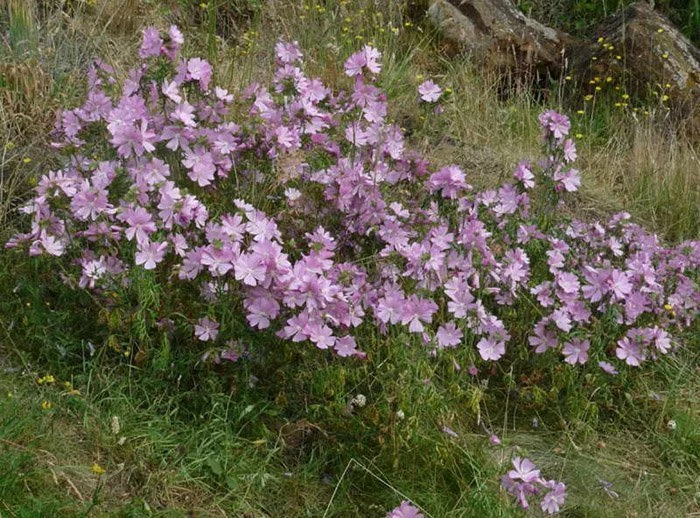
(261, 437)
(228, 452)
(279, 439)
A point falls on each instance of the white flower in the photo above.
(400, 415)
(671, 425)
(115, 425)
(359, 401)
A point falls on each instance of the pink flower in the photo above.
(287, 138)
(569, 150)
(429, 91)
(206, 330)
(576, 351)
(607, 367)
(554, 499)
(288, 53)
(543, 339)
(619, 284)
(372, 57)
(555, 123)
(184, 113)
(368, 58)
(561, 319)
(524, 470)
(151, 43)
(490, 349)
(140, 222)
(249, 269)
(416, 312)
(568, 282)
(448, 335)
(355, 63)
(150, 254)
(570, 180)
(630, 352)
(405, 510)
(200, 70)
(524, 175)
(52, 245)
(662, 340)
(201, 166)
(345, 346)
(450, 180)
(320, 334)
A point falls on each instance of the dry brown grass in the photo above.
(43, 62)
(639, 167)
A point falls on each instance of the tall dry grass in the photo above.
(639, 166)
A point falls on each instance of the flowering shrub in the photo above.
(272, 200)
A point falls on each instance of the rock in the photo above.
(654, 54)
(497, 34)
(647, 49)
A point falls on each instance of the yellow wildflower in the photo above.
(97, 469)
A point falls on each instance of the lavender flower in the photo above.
(405, 510)
(429, 91)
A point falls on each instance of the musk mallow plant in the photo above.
(307, 210)
(304, 211)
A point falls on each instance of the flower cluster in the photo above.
(169, 172)
(525, 480)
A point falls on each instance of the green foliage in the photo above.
(579, 17)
